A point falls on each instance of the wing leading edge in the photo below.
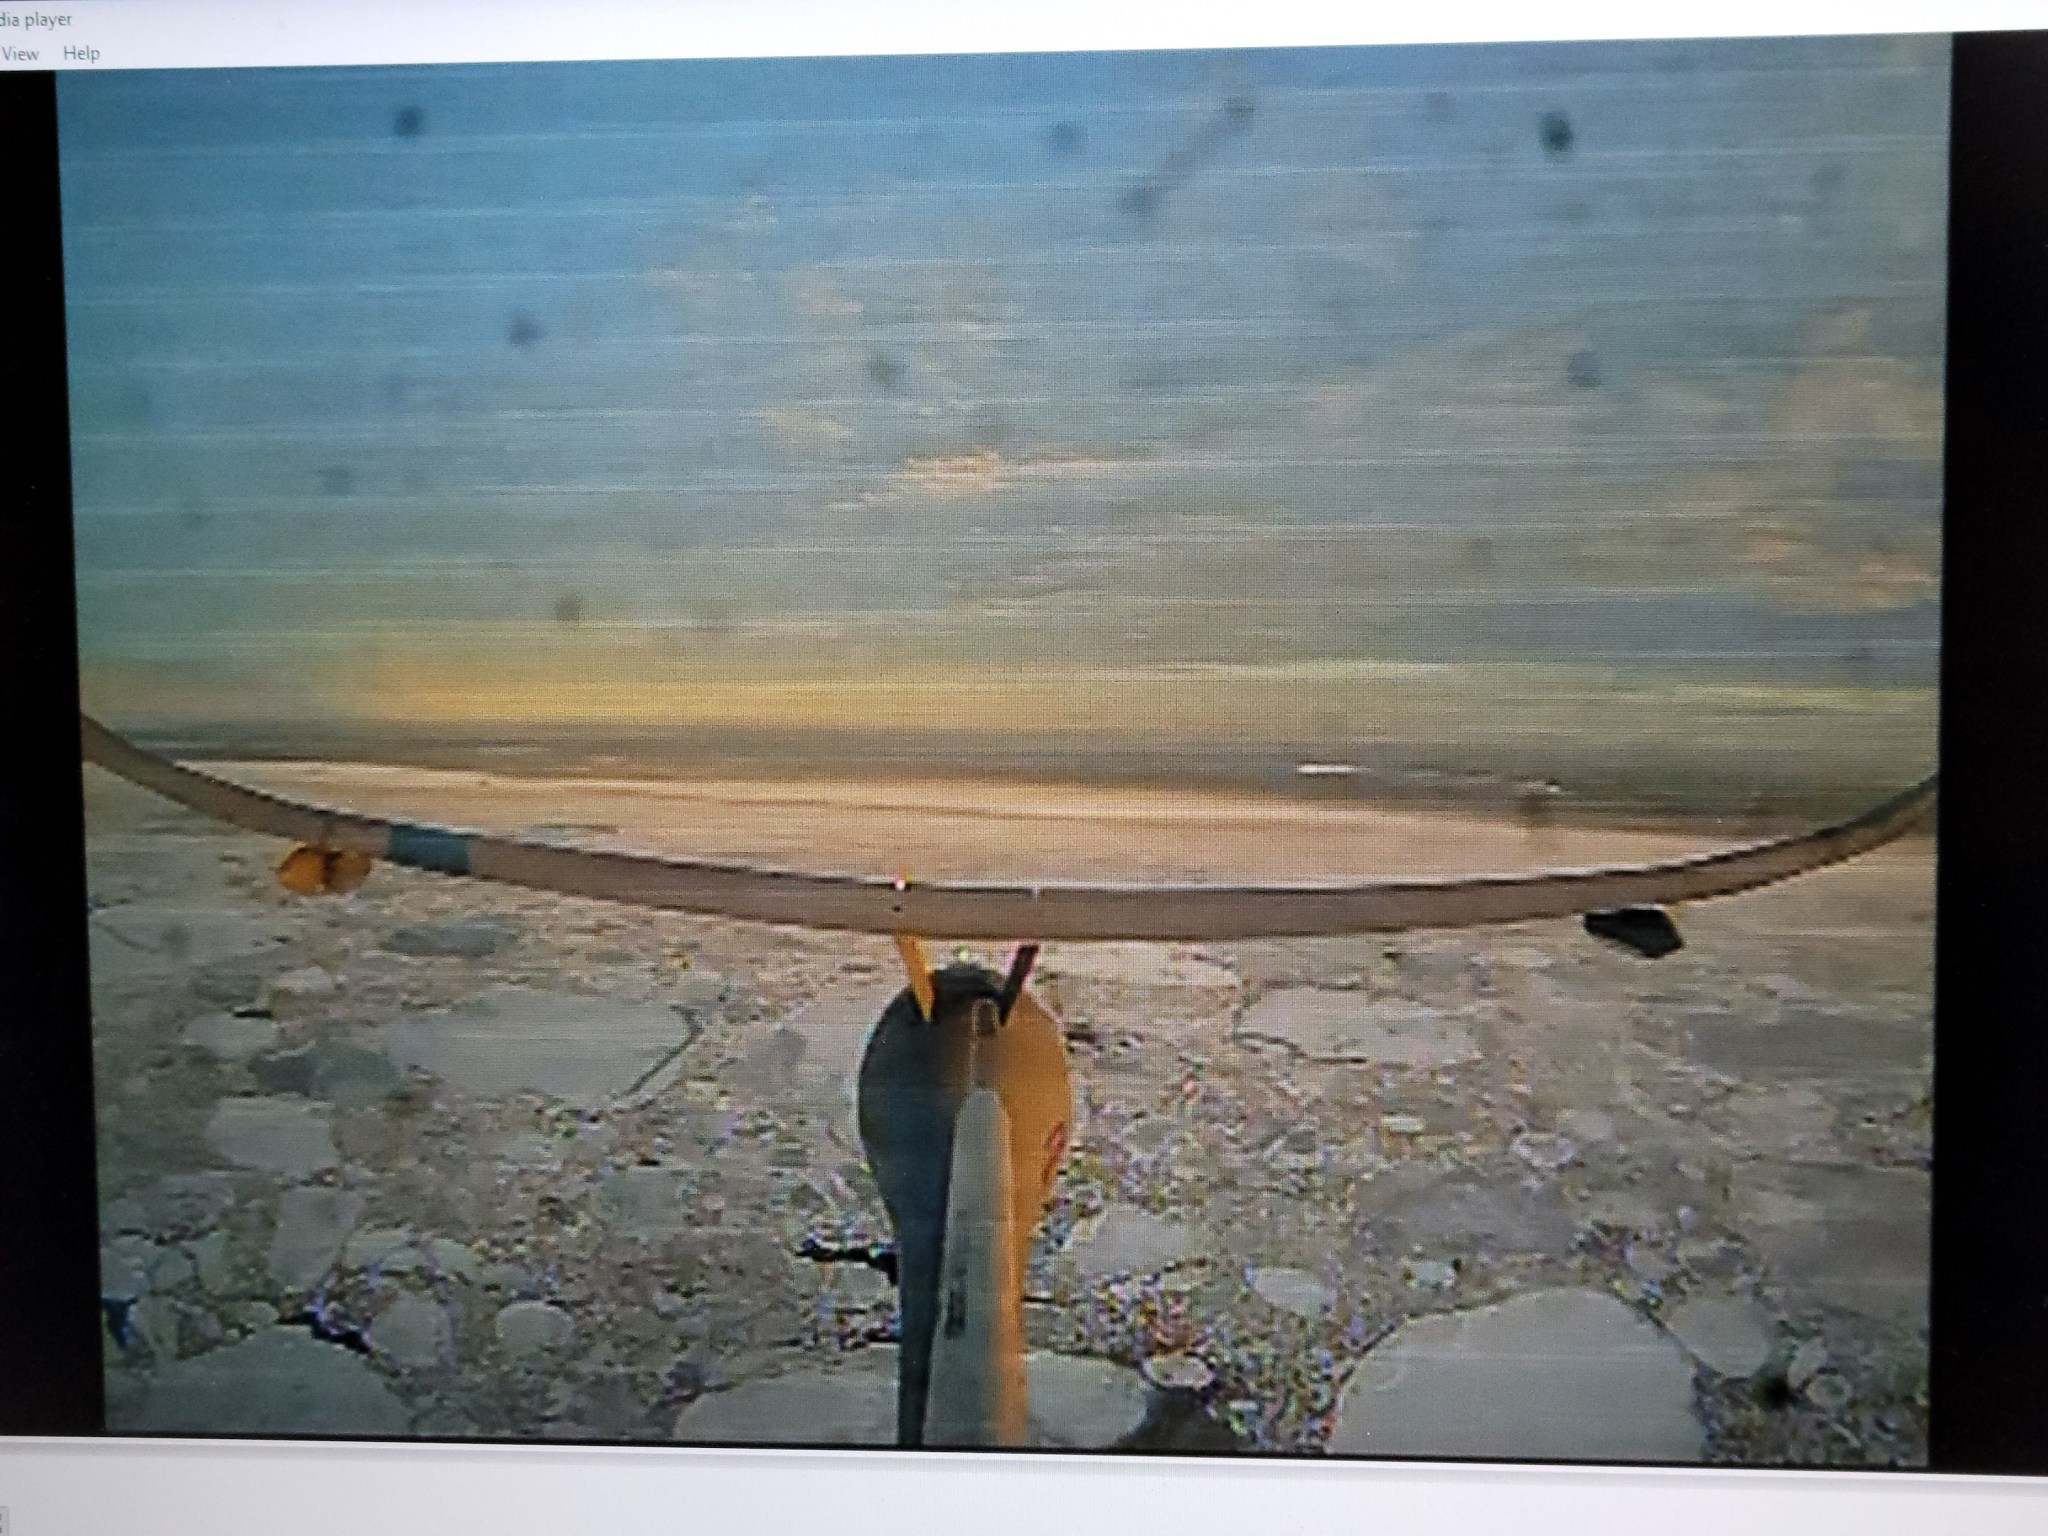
(1009, 912)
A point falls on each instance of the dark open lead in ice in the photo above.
(119, 1312)
(326, 1324)
(876, 1256)
(1648, 931)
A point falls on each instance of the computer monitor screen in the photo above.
(1108, 749)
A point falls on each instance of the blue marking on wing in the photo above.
(434, 848)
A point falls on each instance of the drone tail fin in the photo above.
(918, 969)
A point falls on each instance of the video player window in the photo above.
(1224, 752)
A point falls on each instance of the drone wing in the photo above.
(1007, 912)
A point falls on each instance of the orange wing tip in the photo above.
(347, 869)
(311, 871)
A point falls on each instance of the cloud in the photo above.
(1845, 517)
(975, 473)
(806, 431)
(817, 295)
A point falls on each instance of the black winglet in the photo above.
(1647, 931)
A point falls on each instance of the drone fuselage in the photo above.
(960, 1253)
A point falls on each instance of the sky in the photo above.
(739, 390)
